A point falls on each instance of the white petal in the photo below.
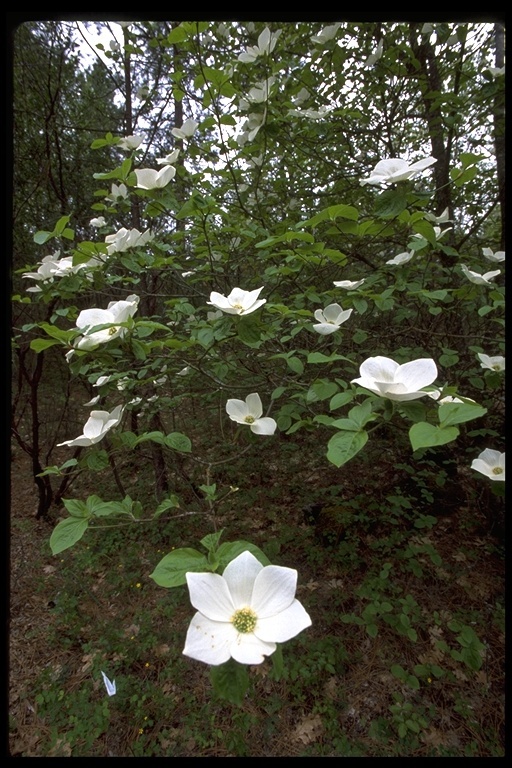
(378, 368)
(319, 315)
(254, 405)
(220, 301)
(284, 625)
(94, 426)
(88, 318)
(237, 410)
(209, 641)
(274, 590)
(332, 312)
(251, 298)
(417, 374)
(109, 685)
(325, 328)
(249, 649)
(264, 426)
(209, 594)
(146, 178)
(240, 575)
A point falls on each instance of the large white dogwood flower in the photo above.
(330, 318)
(239, 302)
(116, 313)
(401, 258)
(349, 285)
(250, 413)
(126, 238)
(243, 613)
(387, 378)
(97, 426)
(118, 192)
(326, 34)
(477, 278)
(490, 463)
(169, 159)
(395, 169)
(52, 266)
(147, 178)
(130, 142)
(187, 129)
(266, 43)
(496, 363)
(495, 256)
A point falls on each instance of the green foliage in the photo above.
(266, 195)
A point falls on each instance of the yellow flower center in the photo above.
(249, 419)
(244, 620)
(497, 470)
(237, 306)
(112, 331)
(496, 367)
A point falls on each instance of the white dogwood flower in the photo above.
(477, 278)
(98, 221)
(325, 34)
(401, 258)
(118, 192)
(490, 463)
(387, 378)
(169, 159)
(266, 43)
(187, 129)
(116, 313)
(330, 318)
(130, 142)
(243, 613)
(349, 285)
(441, 219)
(495, 256)
(250, 412)
(126, 238)
(395, 169)
(239, 302)
(147, 178)
(96, 427)
(496, 363)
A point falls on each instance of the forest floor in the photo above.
(361, 694)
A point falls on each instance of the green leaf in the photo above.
(330, 214)
(230, 681)
(321, 390)
(249, 333)
(171, 503)
(343, 446)
(458, 413)
(390, 203)
(171, 570)
(413, 410)
(177, 35)
(319, 357)
(39, 345)
(211, 540)
(231, 549)
(340, 399)
(423, 435)
(97, 460)
(76, 508)
(178, 442)
(295, 364)
(66, 533)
